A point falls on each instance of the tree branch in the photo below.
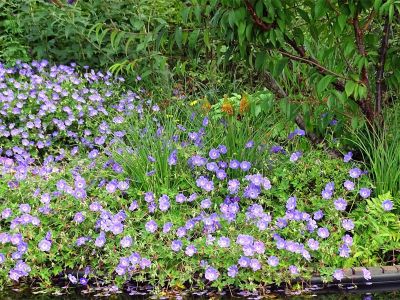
(380, 67)
(369, 21)
(256, 19)
(321, 69)
(359, 35)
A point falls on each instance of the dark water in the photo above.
(382, 292)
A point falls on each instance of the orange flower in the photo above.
(227, 107)
(244, 104)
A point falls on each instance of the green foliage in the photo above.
(12, 44)
(380, 148)
(332, 63)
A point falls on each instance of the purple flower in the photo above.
(313, 244)
(151, 226)
(293, 270)
(326, 194)
(100, 240)
(16, 239)
(2, 258)
(233, 186)
(134, 258)
(149, 197)
(344, 251)
(173, 158)
(244, 240)
(244, 261)
(95, 206)
(355, 173)
(348, 224)
(232, 271)
(366, 274)
(25, 208)
(126, 242)
(72, 279)
(234, 164)
(111, 187)
(221, 175)
(338, 275)
(190, 250)
(163, 203)
(44, 245)
(349, 185)
(347, 240)
(214, 154)
(176, 245)
(206, 203)
(245, 165)
(123, 185)
(224, 242)
(79, 217)
(365, 193)
(340, 204)
(277, 149)
(180, 198)
(291, 203)
(259, 247)
(6, 213)
(318, 215)
(273, 261)
(295, 156)
(249, 144)
(255, 264)
(212, 166)
(145, 263)
(133, 206)
(387, 205)
(167, 227)
(222, 149)
(120, 270)
(323, 232)
(347, 157)
(211, 274)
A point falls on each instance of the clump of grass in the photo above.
(380, 148)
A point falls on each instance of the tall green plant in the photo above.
(380, 148)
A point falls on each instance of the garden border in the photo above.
(379, 275)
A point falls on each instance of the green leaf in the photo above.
(342, 20)
(279, 66)
(193, 38)
(260, 60)
(178, 37)
(349, 87)
(323, 83)
(320, 8)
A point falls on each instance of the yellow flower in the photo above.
(193, 103)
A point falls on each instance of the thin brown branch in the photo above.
(256, 19)
(380, 67)
(359, 35)
(312, 62)
(369, 21)
(57, 2)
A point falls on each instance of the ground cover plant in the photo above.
(102, 183)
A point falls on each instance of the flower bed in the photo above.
(101, 180)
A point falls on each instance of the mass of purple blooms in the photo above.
(67, 200)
